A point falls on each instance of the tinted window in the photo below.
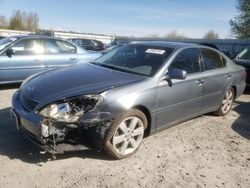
(211, 59)
(59, 47)
(96, 42)
(187, 60)
(28, 47)
(137, 59)
(6, 41)
(245, 54)
(84, 42)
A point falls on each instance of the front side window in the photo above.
(59, 47)
(211, 59)
(187, 60)
(6, 41)
(138, 59)
(28, 47)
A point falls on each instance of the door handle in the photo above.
(228, 76)
(72, 58)
(199, 82)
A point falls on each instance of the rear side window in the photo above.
(85, 42)
(59, 47)
(212, 60)
(187, 60)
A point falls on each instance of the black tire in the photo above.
(220, 111)
(108, 146)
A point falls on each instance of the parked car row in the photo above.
(113, 102)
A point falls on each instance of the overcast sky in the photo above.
(192, 18)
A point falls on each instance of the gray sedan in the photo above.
(125, 95)
(23, 56)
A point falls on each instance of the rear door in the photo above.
(28, 59)
(59, 53)
(184, 98)
(216, 79)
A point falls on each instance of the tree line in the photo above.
(20, 20)
(175, 35)
(240, 24)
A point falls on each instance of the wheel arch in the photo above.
(147, 113)
(235, 90)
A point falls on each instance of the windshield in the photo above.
(136, 59)
(6, 41)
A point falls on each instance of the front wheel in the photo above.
(125, 136)
(226, 103)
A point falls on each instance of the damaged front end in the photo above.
(74, 124)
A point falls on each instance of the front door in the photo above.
(184, 98)
(28, 59)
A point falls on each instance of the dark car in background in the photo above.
(88, 44)
(243, 59)
(113, 47)
(23, 56)
(131, 92)
(116, 43)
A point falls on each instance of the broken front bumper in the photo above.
(53, 139)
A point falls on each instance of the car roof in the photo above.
(35, 36)
(165, 44)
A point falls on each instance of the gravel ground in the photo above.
(207, 151)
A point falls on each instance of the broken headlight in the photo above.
(72, 109)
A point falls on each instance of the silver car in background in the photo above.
(23, 56)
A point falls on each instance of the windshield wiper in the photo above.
(109, 66)
(116, 68)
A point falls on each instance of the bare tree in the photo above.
(174, 35)
(153, 35)
(211, 35)
(3, 22)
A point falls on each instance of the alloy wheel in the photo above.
(227, 101)
(128, 135)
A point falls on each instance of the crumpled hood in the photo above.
(74, 81)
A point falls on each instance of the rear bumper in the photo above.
(248, 76)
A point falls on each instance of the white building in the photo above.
(62, 34)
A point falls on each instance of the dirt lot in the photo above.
(207, 151)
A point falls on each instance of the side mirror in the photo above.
(10, 52)
(177, 74)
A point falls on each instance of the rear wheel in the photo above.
(125, 136)
(226, 103)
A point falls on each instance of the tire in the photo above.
(125, 135)
(226, 103)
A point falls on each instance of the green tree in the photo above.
(240, 25)
(24, 21)
(211, 35)
(16, 21)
